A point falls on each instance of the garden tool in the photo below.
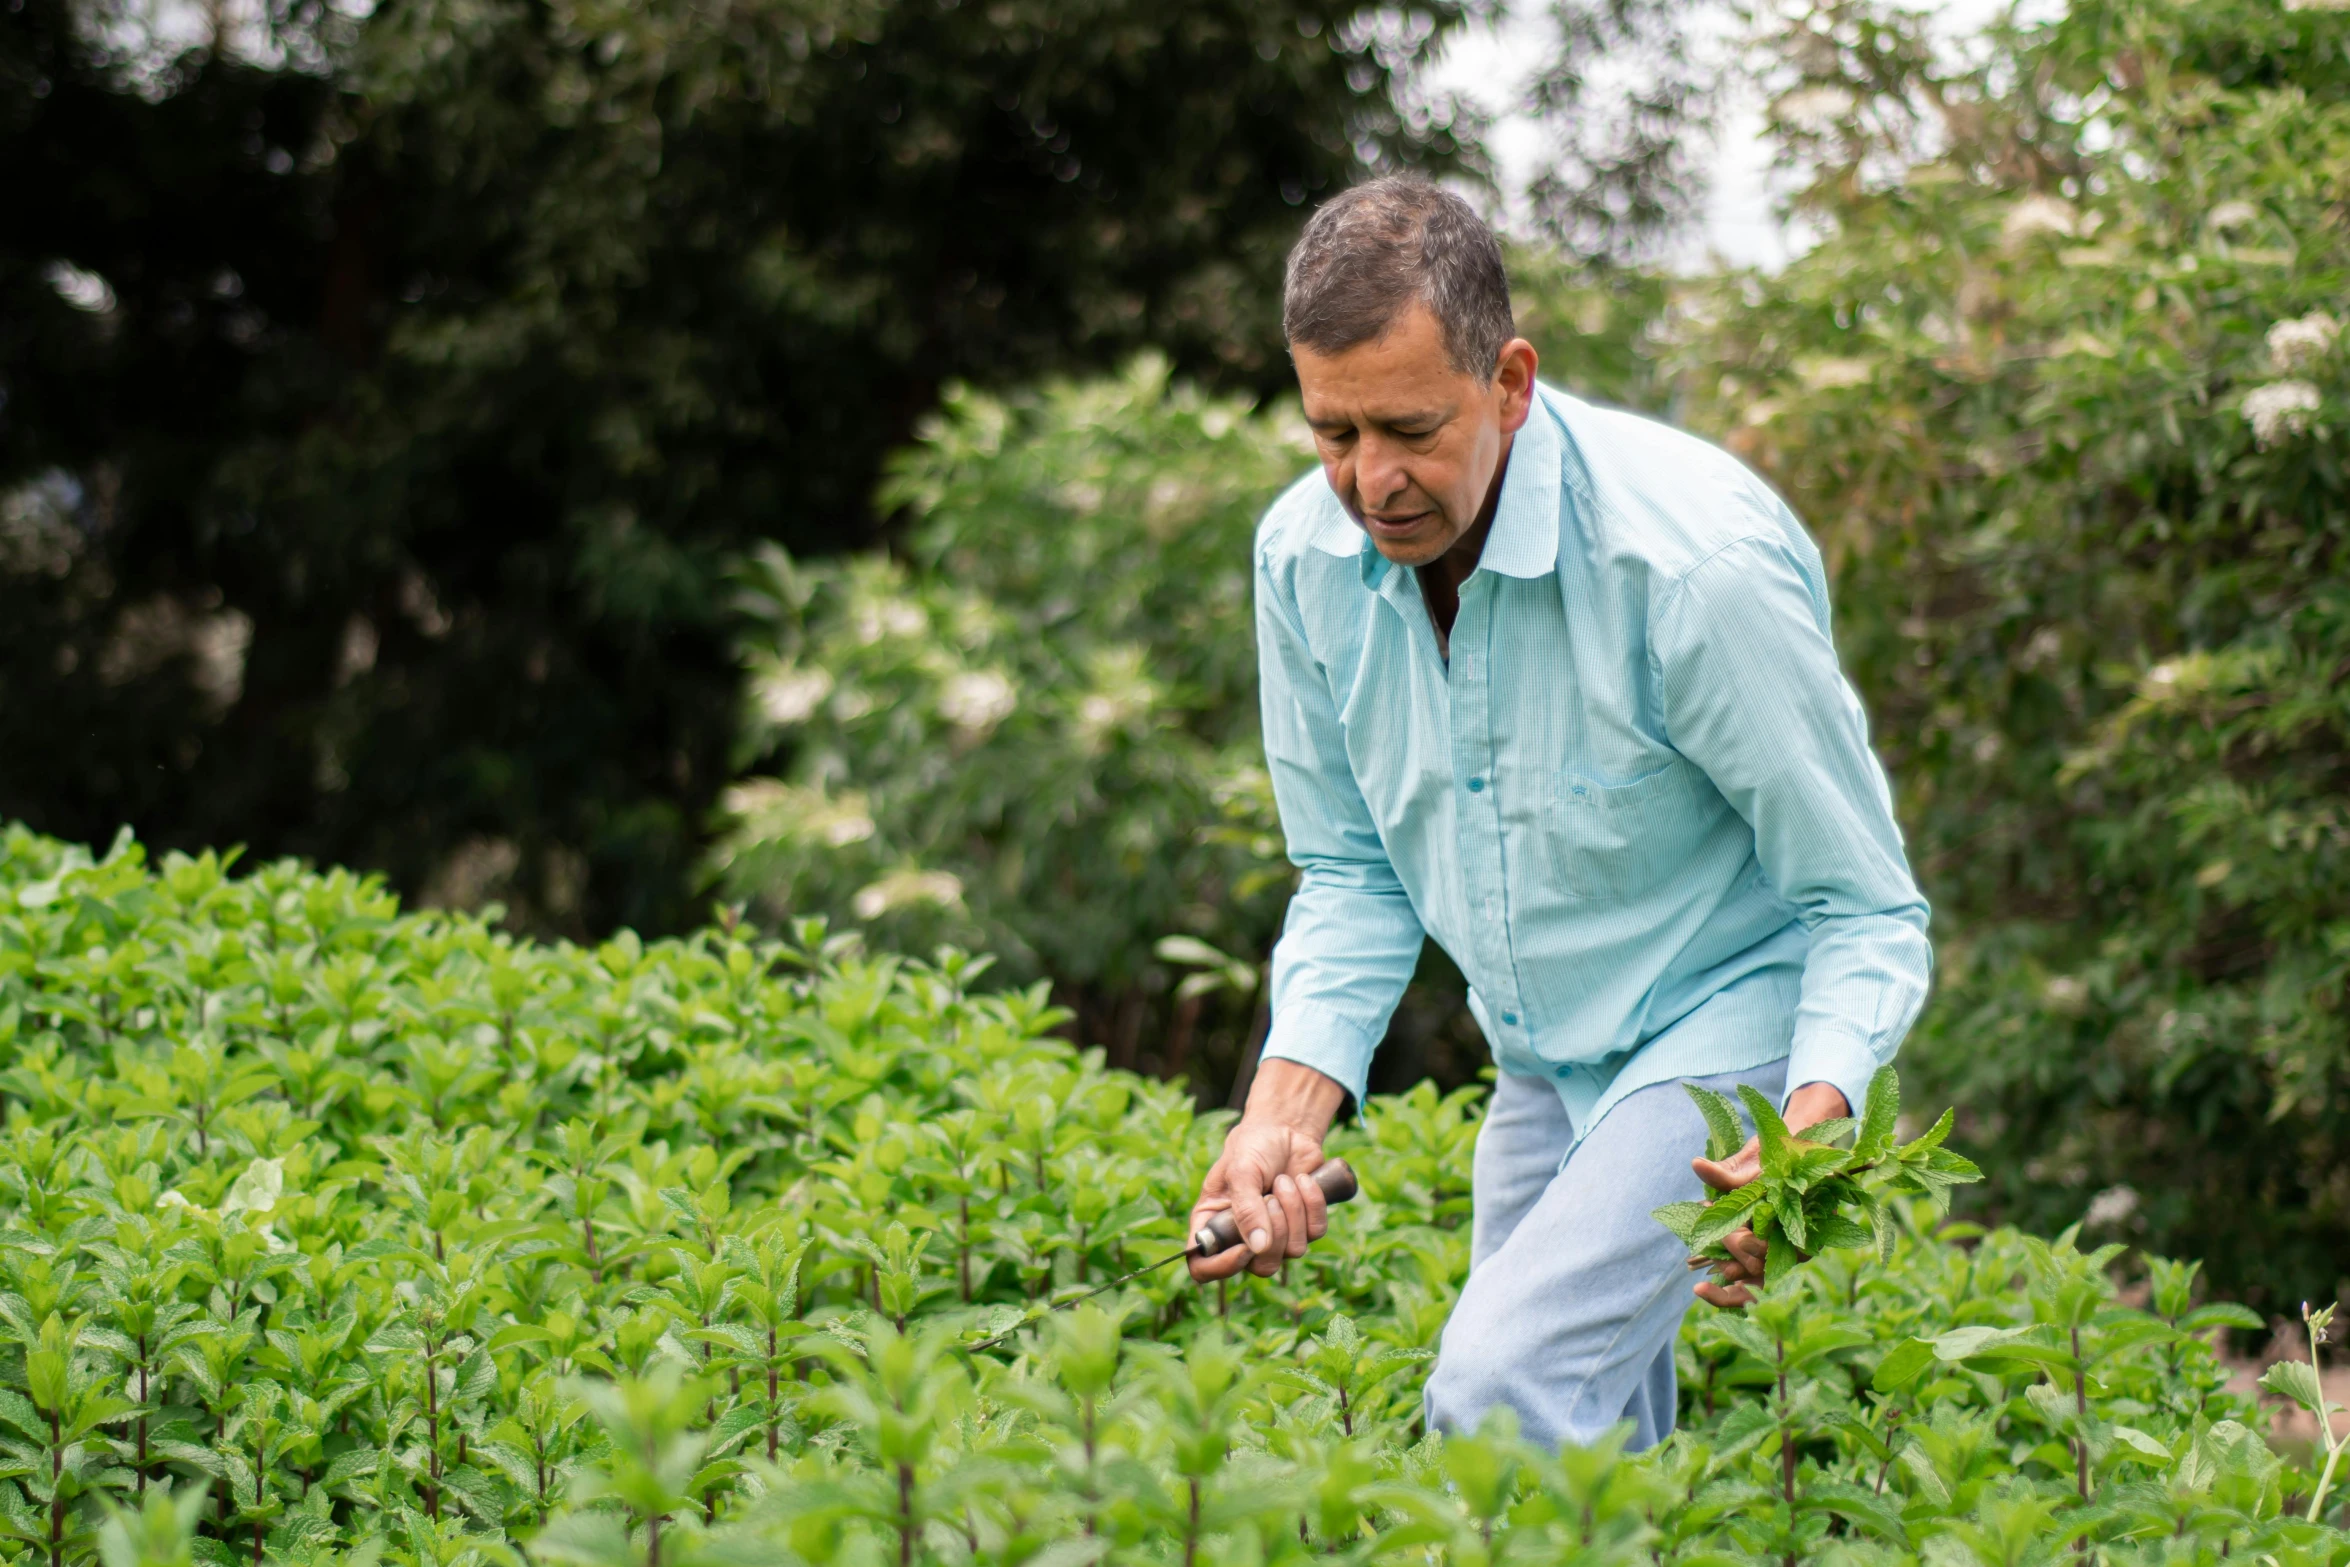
(1212, 1239)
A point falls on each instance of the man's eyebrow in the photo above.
(1341, 422)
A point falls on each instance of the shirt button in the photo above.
(1566, 1071)
(1511, 1018)
(1476, 786)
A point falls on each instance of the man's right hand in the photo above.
(1262, 1177)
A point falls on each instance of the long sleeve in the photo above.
(1351, 940)
(1754, 696)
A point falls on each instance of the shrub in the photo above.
(1021, 738)
(340, 1234)
(2060, 388)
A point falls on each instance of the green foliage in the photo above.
(1036, 736)
(332, 1234)
(1812, 1195)
(2061, 387)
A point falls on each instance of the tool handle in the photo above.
(1222, 1233)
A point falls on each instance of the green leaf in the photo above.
(1827, 1131)
(1908, 1361)
(1724, 1135)
(1682, 1218)
(1778, 1147)
(1880, 1114)
(1727, 1212)
(1917, 1148)
(1831, 1231)
(2294, 1380)
(2222, 1314)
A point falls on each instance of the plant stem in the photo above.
(2325, 1428)
(1786, 1444)
(963, 1248)
(905, 1515)
(2081, 1408)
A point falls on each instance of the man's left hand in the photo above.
(1807, 1106)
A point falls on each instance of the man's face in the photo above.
(1410, 445)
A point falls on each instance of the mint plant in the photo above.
(1814, 1195)
(739, 1247)
(2304, 1384)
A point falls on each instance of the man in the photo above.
(1554, 685)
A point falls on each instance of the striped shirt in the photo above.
(1636, 803)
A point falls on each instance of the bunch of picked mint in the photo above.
(1815, 1192)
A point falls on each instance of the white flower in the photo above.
(2297, 345)
(2065, 992)
(847, 828)
(1814, 110)
(82, 290)
(899, 889)
(2232, 215)
(755, 797)
(977, 700)
(2317, 5)
(2111, 1206)
(2280, 409)
(889, 618)
(1101, 714)
(2039, 213)
(1829, 375)
(766, 809)
(791, 696)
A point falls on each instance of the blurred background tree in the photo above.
(386, 395)
(2062, 389)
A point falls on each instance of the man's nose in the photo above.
(1379, 474)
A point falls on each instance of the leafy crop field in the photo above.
(340, 1234)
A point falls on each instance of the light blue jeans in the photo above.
(1575, 1293)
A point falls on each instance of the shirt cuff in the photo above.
(1843, 1061)
(1327, 1040)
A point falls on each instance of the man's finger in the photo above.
(1731, 1297)
(1748, 1261)
(1317, 1209)
(1223, 1192)
(1258, 1220)
(1293, 1214)
(1265, 1260)
(1725, 1175)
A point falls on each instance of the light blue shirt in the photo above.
(1637, 805)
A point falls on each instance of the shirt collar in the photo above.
(1524, 541)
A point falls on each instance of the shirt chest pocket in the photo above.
(1615, 841)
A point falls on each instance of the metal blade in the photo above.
(1079, 1300)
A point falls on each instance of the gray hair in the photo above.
(1374, 249)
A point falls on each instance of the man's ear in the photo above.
(1513, 377)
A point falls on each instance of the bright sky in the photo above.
(1490, 63)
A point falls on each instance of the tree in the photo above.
(2062, 388)
(386, 398)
